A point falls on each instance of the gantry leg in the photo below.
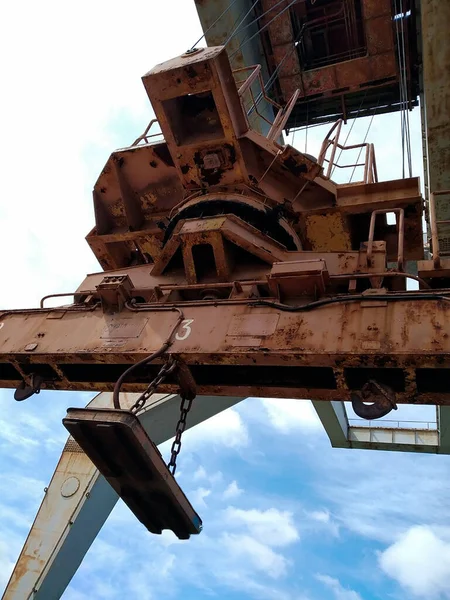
(79, 500)
(333, 417)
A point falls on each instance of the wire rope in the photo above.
(265, 26)
(365, 138)
(222, 14)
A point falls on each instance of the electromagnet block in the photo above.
(118, 445)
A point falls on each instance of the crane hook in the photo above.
(25, 391)
(381, 398)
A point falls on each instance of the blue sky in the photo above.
(286, 517)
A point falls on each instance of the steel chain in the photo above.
(164, 371)
(185, 407)
(167, 368)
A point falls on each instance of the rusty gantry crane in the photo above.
(232, 266)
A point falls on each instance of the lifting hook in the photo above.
(381, 398)
(25, 391)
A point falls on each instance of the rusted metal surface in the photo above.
(275, 270)
(70, 484)
(323, 353)
(374, 401)
(400, 233)
(232, 28)
(210, 166)
(436, 97)
(331, 51)
(437, 267)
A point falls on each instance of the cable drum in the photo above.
(268, 220)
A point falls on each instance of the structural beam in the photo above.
(334, 420)
(444, 429)
(394, 439)
(435, 15)
(79, 500)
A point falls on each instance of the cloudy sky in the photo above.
(286, 517)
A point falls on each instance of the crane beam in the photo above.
(323, 351)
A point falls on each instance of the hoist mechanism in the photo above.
(233, 260)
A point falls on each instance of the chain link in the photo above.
(186, 404)
(164, 371)
(185, 407)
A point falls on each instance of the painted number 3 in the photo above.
(185, 330)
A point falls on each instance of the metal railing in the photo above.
(245, 85)
(401, 235)
(283, 113)
(392, 424)
(146, 136)
(434, 227)
(369, 164)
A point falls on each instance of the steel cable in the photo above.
(403, 89)
(348, 134)
(214, 23)
(365, 138)
(238, 28)
(266, 12)
(272, 78)
(265, 26)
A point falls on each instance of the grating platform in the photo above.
(121, 450)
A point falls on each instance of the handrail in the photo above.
(145, 136)
(255, 75)
(401, 235)
(369, 164)
(283, 113)
(282, 117)
(381, 424)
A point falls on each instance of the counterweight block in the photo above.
(118, 445)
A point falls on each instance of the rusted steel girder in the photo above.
(323, 351)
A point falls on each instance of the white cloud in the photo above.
(6, 563)
(259, 555)
(321, 520)
(199, 474)
(323, 516)
(272, 526)
(288, 415)
(420, 562)
(225, 429)
(363, 480)
(232, 491)
(198, 497)
(335, 586)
